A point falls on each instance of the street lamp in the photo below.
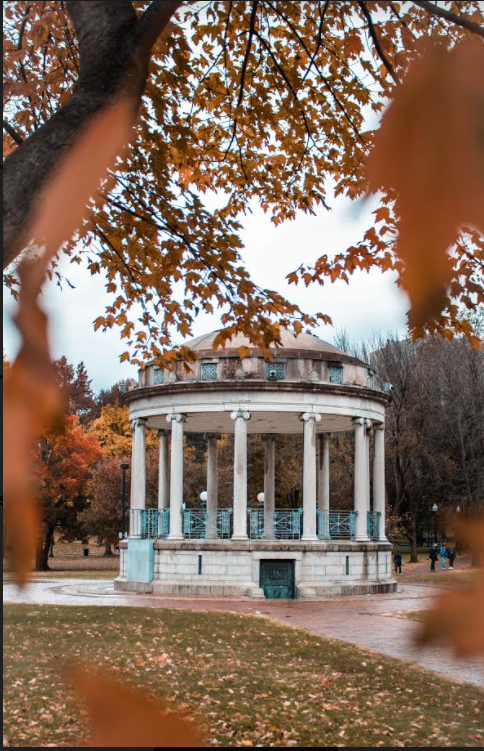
(260, 498)
(435, 509)
(204, 498)
(124, 467)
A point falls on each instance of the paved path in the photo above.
(370, 621)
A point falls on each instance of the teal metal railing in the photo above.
(256, 524)
(288, 524)
(284, 524)
(194, 524)
(224, 523)
(373, 525)
(336, 525)
(150, 523)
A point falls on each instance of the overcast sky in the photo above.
(370, 303)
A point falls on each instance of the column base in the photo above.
(362, 538)
(243, 538)
(175, 537)
(310, 538)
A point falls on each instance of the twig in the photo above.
(386, 62)
(12, 133)
(434, 10)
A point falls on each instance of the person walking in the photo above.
(397, 560)
(442, 555)
(433, 558)
(451, 556)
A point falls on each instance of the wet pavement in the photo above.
(369, 621)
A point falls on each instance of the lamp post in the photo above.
(435, 509)
(124, 467)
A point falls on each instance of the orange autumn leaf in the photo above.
(32, 400)
(429, 151)
(458, 617)
(121, 718)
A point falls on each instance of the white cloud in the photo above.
(371, 302)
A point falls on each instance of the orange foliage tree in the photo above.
(64, 460)
(272, 101)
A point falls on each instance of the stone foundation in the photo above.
(224, 568)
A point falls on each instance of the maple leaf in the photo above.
(32, 399)
(457, 618)
(429, 150)
(123, 718)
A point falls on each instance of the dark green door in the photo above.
(277, 579)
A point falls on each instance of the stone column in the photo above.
(138, 474)
(163, 473)
(379, 477)
(240, 418)
(361, 477)
(368, 473)
(176, 476)
(323, 482)
(269, 485)
(309, 420)
(212, 484)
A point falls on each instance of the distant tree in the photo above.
(76, 385)
(63, 465)
(113, 430)
(434, 428)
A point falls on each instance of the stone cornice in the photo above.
(308, 387)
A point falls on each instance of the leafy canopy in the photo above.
(267, 101)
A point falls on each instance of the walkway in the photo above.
(369, 621)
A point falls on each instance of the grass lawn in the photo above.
(77, 566)
(69, 574)
(442, 578)
(248, 680)
(413, 615)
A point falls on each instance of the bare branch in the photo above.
(247, 51)
(465, 23)
(153, 21)
(12, 133)
(386, 62)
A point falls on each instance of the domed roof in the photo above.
(305, 342)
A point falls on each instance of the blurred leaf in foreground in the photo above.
(458, 617)
(122, 718)
(31, 398)
(429, 153)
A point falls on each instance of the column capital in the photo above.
(138, 422)
(306, 416)
(268, 436)
(368, 424)
(175, 417)
(379, 426)
(324, 437)
(212, 436)
(244, 414)
(162, 432)
(359, 421)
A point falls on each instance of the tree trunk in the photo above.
(42, 553)
(114, 51)
(107, 549)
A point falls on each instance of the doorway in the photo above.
(277, 579)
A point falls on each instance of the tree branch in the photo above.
(386, 62)
(12, 133)
(114, 51)
(247, 51)
(153, 21)
(465, 23)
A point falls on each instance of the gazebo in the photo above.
(309, 387)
